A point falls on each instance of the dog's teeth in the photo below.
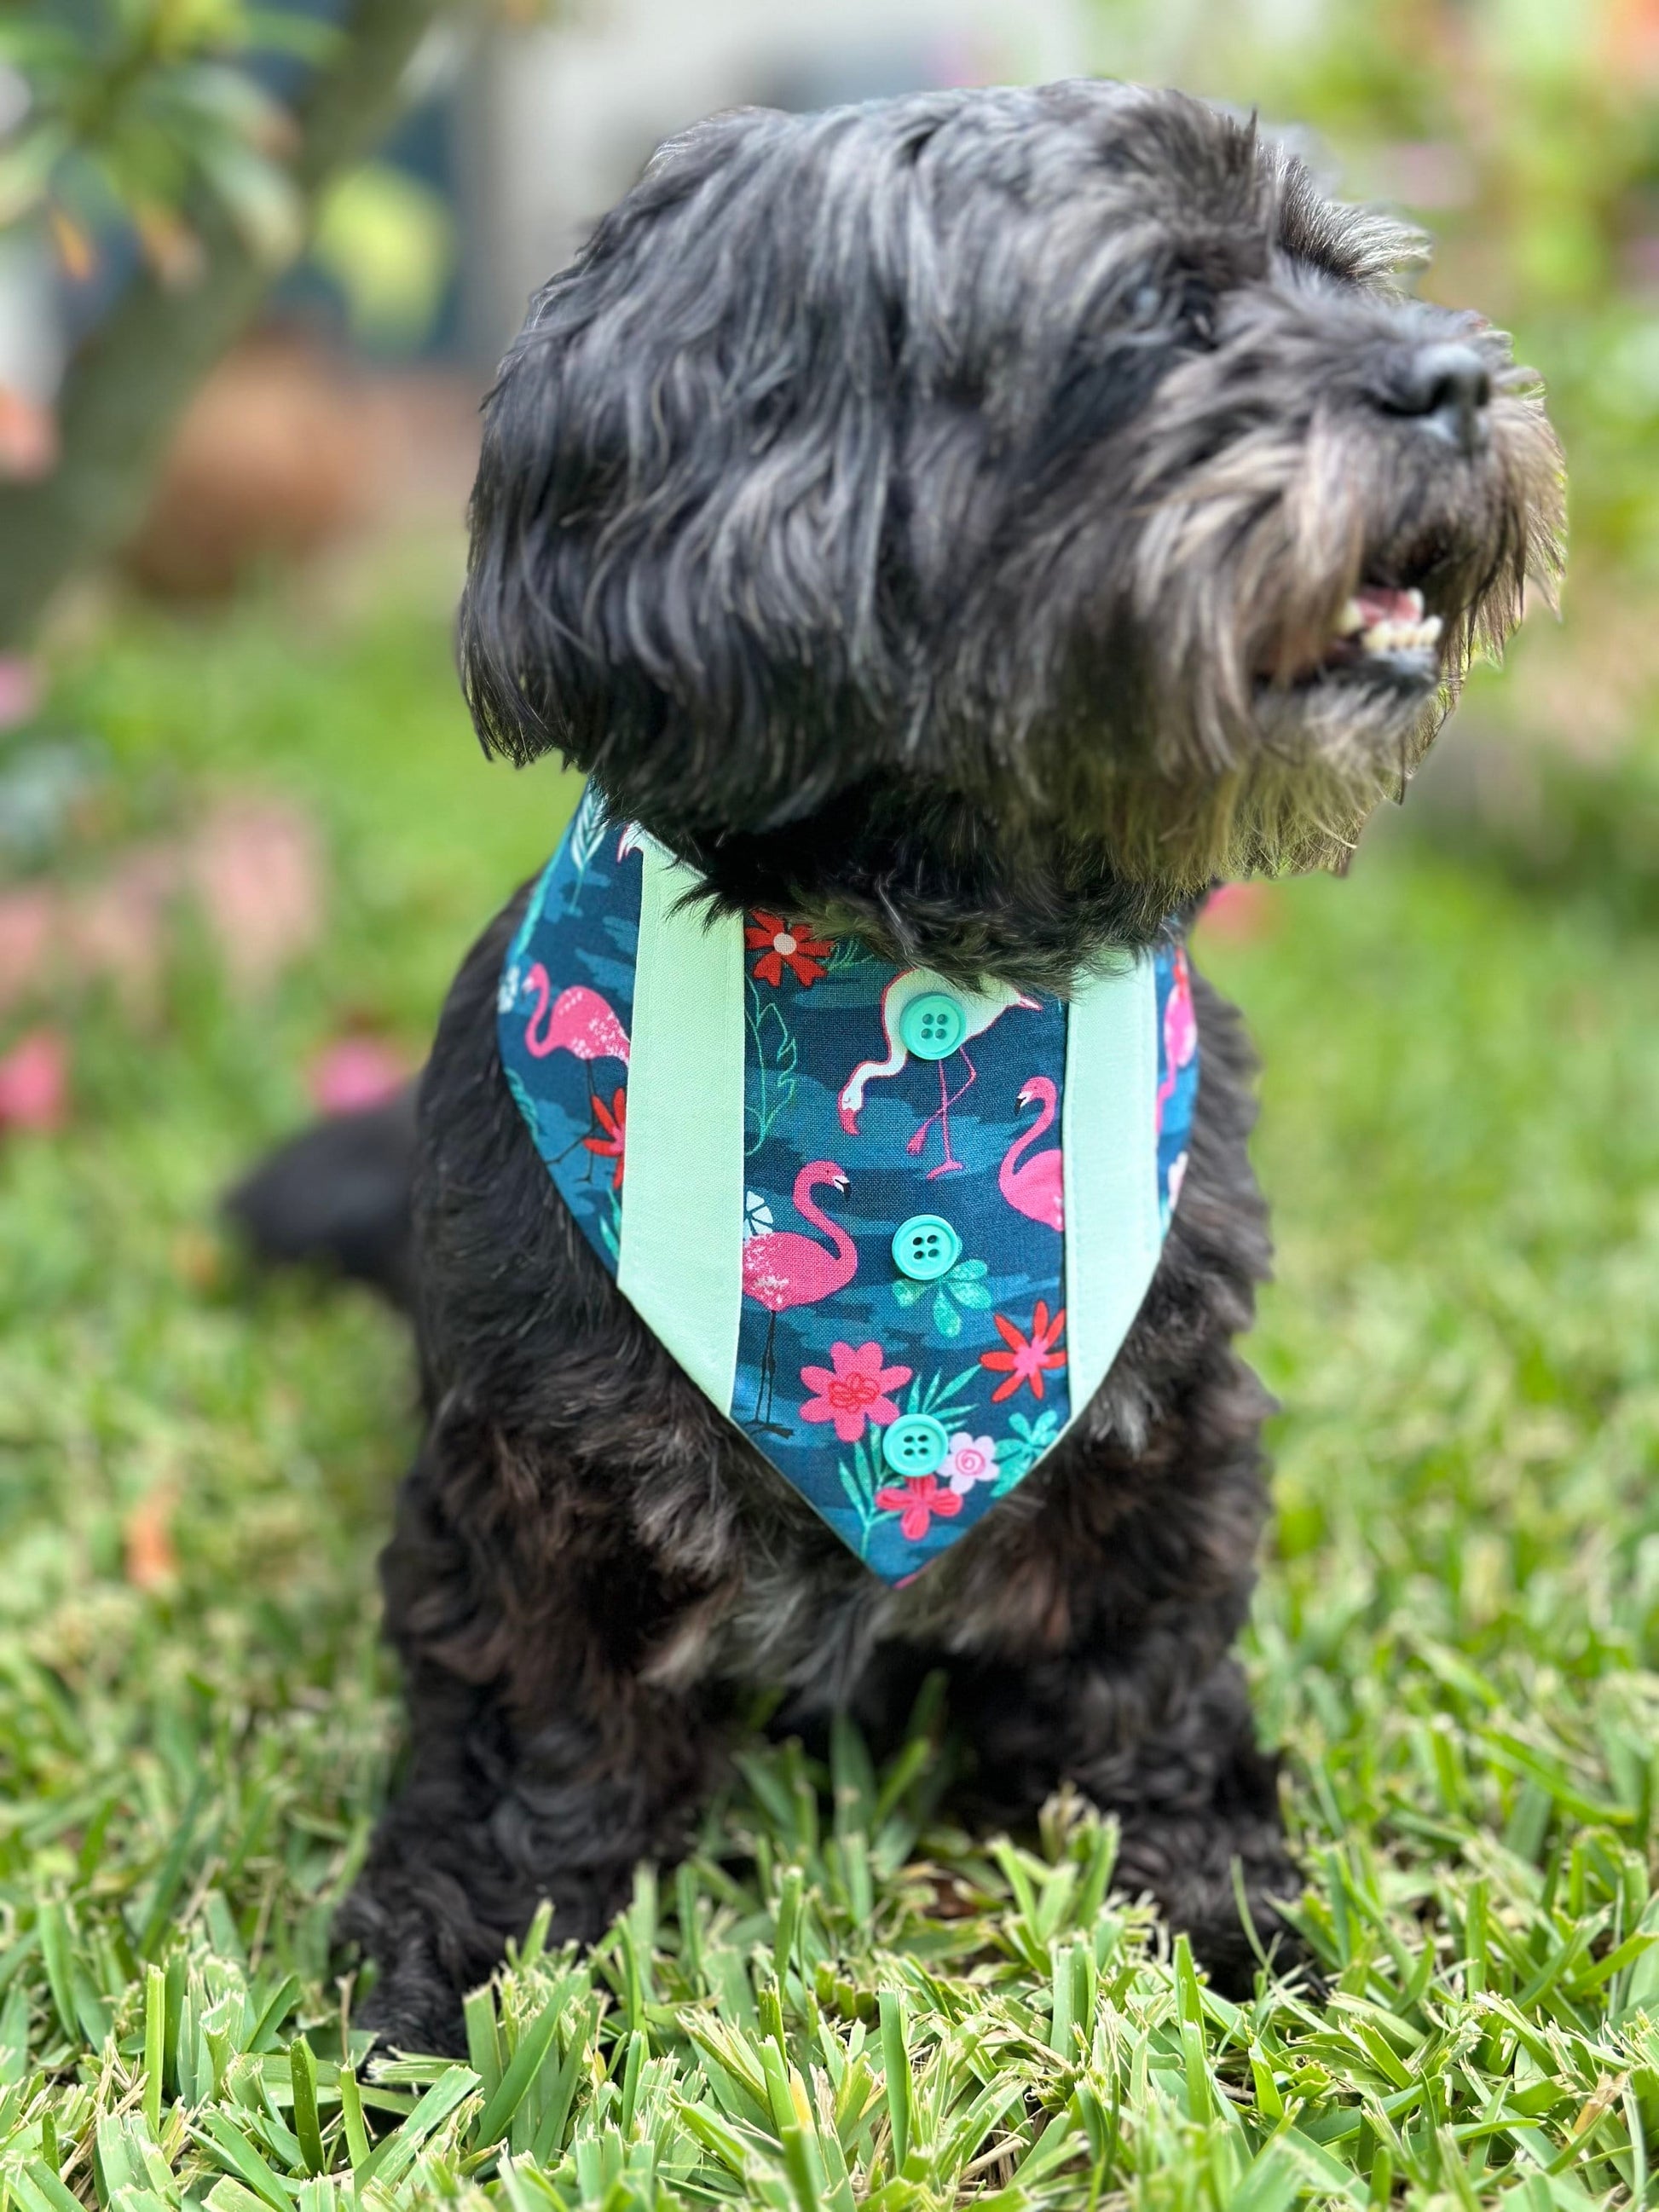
(1350, 621)
(1403, 636)
(1415, 601)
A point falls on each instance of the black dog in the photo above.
(971, 525)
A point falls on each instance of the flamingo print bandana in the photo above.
(731, 1112)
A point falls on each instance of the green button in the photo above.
(932, 1026)
(926, 1247)
(914, 1444)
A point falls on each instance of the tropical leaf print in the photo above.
(939, 1395)
(526, 929)
(859, 1477)
(849, 953)
(963, 1287)
(776, 1058)
(525, 1104)
(587, 831)
(610, 1225)
(1017, 1455)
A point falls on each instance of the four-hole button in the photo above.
(925, 1248)
(914, 1444)
(932, 1026)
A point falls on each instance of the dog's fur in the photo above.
(929, 519)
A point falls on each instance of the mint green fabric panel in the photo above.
(1109, 1140)
(680, 1264)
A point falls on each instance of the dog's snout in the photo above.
(1445, 387)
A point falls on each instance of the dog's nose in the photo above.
(1446, 388)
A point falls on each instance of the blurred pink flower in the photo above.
(256, 869)
(1240, 912)
(20, 689)
(355, 1073)
(29, 918)
(252, 867)
(34, 1082)
(28, 437)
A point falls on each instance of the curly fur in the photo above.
(929, 519)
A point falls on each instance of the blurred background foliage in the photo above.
(126, 114)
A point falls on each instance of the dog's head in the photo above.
(1004, 482)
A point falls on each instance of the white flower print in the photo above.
(757, 1215)
(970, 1460)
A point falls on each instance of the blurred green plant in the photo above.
(130, 106)
(154, 122)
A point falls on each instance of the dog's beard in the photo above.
(1305, 610)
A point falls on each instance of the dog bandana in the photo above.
(896, 1230)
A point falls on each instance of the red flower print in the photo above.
(915, 1505)
(1026, 1356)
(855, 1392)
(784, 943)
(613, 1120)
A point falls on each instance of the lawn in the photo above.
(841, 1998)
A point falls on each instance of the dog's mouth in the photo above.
(1382, 630)
(1384, 635)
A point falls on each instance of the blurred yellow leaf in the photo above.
(388, 241)
(74, 249)
(170, 245)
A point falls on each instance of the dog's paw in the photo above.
(413, 2003)
(1223, 1947)
(408, 2014)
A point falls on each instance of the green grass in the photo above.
(841, 1998)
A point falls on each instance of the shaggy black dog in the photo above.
(973, 523)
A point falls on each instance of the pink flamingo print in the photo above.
(1180, 1031)
(780, 1268)
(1036, 1187)
(580, 1022)
(577, 1022)
(981, 1008)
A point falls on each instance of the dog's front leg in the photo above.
(1179, 1766)
(1198, 1799)
(542, 1763)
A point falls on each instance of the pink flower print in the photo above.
(853, 1391)
(970, 1460)
(917, 1503)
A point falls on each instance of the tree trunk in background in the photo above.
(128, 385)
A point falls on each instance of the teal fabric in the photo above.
(738, 1118)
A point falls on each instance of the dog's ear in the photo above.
(678, 531)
